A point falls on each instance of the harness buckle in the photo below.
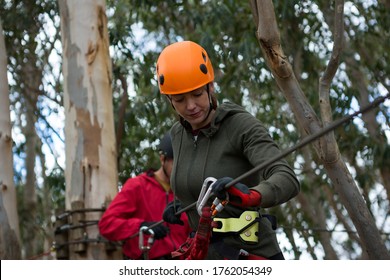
(246, 225)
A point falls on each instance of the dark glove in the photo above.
(160, 231)
(239, 194)
(170, 211)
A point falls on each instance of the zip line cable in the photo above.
(288, 151)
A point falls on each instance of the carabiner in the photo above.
(205, 194)
(142, 246)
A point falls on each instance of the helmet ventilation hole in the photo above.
(204, 57)
(203, 68)
(161, 79)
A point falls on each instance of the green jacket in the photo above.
(233, 144)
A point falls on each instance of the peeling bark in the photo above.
(91, 173)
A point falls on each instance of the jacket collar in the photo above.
(223, 111)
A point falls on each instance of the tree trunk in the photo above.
(9, 221)
(326, 147)
(91, 173)
(48, 209)
(30, 244)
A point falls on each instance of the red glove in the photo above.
(239, 194)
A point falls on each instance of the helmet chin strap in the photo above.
(210, 101)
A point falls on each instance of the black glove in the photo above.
(160, 231)
(239, 194)
(170, 211)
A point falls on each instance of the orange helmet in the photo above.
(183, 67)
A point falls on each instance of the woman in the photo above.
(222, 141)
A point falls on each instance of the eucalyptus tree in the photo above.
(29, 49)
(91, 172)
(9, 220)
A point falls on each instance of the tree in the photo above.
(91, 173)
(28, 65)
(9, 230)
(326, 147)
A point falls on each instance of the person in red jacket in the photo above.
(140, 203)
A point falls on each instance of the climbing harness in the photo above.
(196, 246)
(247, 225)
(142, 246)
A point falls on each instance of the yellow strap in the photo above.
(237, 224)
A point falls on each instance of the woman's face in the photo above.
(193, 106)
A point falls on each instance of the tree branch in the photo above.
(269, 40)
(329, 144)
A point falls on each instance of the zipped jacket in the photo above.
(142, 199)
(234, 143)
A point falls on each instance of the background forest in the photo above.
(314, 225)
